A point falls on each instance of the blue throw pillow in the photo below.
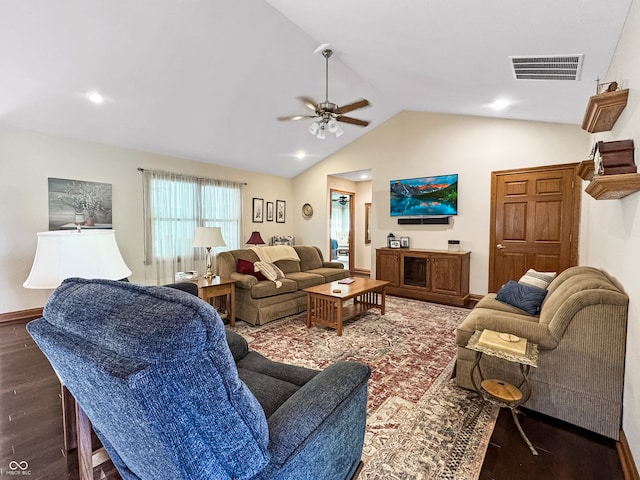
(524, 297)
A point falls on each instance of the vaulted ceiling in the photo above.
(206, 80)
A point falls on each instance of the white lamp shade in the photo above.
(208, 237)
(69, 253)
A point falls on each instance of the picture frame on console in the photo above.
(395, 244)
(257, 211)
(404, 242)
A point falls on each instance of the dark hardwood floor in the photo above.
(565, 452)
(31, 430)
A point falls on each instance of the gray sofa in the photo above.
(581, 335)
(259, 302)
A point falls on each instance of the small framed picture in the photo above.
(280, 211)
(258, 210)
(395, 244)
(404, 242)
(269, 211)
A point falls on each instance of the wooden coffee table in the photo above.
(325, 304)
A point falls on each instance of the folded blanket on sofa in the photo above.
(276, 252)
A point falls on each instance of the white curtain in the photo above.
(174, 205)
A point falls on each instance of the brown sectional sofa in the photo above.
(581, 336)
(259, 302)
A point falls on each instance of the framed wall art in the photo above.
(76, 203)
(269, 211)
(257, 212)
(280, 211)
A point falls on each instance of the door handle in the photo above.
(500, 246)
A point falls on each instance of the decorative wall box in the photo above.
(616, 157)
(606, 187)
(603, 110)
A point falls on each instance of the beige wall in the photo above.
(29, 159)
(363, 251)
(611, 228)
(414, 144)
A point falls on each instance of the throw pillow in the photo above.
(246, 267)
(269, 270)
(522, 296)
(537, 279)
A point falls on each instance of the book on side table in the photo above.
(503, 341)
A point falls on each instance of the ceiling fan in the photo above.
(342, 200)
(327, 114)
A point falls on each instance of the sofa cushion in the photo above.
(534, 278)
(247, 268)
(525, 297)
(306, 279)
(490, 302)
(271, 382)
(309, 257)
(268, 289)
(288, 266)
(330, 274)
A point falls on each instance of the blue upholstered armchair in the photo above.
(173, 395)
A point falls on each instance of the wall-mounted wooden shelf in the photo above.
(586, 170)
(606, 187)
(603, 110)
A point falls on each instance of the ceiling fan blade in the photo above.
(295, 117)
(353, 106)
(308, 102)
(351, 120)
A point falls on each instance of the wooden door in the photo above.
(535, 214)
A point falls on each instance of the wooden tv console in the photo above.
(440, 276)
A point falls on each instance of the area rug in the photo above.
(419, 424)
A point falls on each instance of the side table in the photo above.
(221, 293)
(499, 392)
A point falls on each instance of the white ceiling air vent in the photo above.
(547, 67)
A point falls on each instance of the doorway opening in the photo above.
(341, 227)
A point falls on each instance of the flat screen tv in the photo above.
(424, 196)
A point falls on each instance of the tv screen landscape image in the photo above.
(424, 196)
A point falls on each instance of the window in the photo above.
(174, 206)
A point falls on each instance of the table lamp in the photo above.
(75, 253)
(208, 237)
(255, 239)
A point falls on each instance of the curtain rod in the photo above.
(140, 169)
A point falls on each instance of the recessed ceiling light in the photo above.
(95, 97)
(364, 176)
(500, 104)
(300, 155)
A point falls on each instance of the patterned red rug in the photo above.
(416, 415)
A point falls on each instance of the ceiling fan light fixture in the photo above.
(327, 114)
